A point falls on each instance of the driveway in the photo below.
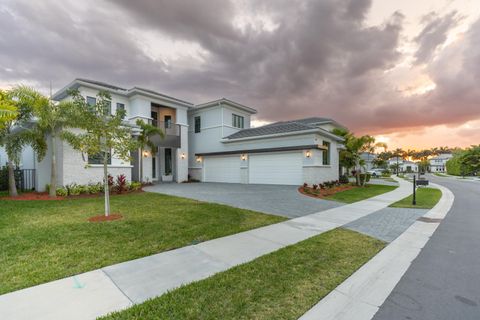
(274, 199)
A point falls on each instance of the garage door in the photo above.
(276, 168)
(222, 169)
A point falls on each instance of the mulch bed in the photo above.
(29, 196)
(103, 218)
(321, 193)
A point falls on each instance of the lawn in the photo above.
(281, 285)
(426, 198)
(357, 194)
(46, 240)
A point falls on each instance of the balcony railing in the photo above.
(170, 130)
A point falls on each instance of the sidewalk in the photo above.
(361, 295)
(96, 293)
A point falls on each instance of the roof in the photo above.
(75, 84)
(284, 127)
(225, 101)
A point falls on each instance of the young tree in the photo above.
(143, 140)
(16, 132)
(51, 119)
(101, 134)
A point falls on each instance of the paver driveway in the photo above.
(280, 200)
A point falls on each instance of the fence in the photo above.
(24, 179)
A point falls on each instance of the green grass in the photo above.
(281, 285)
(440, 174)
(361, 193)
(42, 241)
(426, 198)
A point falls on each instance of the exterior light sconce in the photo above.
(145, 153)
(308, 154)
(182, 155)
(199, 159)
(243, 157)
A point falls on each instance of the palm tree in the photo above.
(8, 110)
(147, 131)
(398, 153)
(51, 119)
(16, 132)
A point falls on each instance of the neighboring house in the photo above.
(404, 165)
(439, 163)
(368, 158)
(210, 142)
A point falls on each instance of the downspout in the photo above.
(221, 110)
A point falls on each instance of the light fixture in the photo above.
(199, 159)
(308, 154)
(243, 157)
(145, 153)
(182, 155)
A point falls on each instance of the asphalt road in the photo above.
(443, 283)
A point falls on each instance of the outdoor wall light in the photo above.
(243, 157)
(199, 159)
(183, 155)
(145, 153)
(308, 154)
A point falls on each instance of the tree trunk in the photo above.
(140, 163)
(357, 172)
(106, 186)
(12, 187)
(53, 173)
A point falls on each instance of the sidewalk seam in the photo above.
(115, 284)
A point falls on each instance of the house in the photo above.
(210, 142)
(403, 165)
(368, 158)
(439, 162)
(27, 158)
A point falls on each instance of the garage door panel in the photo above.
(276, 168)
(222, 169)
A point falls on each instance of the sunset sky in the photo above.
(405, 71)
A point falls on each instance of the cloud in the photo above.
(287, 58)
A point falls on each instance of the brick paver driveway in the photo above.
(280, 200)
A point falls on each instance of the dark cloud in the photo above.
(321, 58)
(434, 34)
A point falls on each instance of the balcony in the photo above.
(171, 132)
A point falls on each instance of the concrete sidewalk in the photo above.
(361, 295)
(96, 293)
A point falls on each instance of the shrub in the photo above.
(62, 192)
(367, 177)
(121, 183)
(343, 179)
(73, 189)
(47, 188)
(386, 173)
(110, 182)
(315, 186)
(305, 185)
(94, 188)
(134, 186)
(363, 176)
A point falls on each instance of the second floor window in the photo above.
(120, 106)
(91, 101)
(154, 115)
(238, 121)
(197, 124)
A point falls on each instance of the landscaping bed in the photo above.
(281, 285)
(317, 192)
(360, 193)
(43, 241)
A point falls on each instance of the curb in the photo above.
(361, 295)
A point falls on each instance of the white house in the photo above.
(210, 142)
(368, 158)
(404, 165)
(438, 163)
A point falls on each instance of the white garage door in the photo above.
(276, 168)
(222, 169)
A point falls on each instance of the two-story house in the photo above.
(209, 142)
(439, 162)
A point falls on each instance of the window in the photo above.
(91, 101)
(326, 153)
(197, 124)
(108, 108)
(154, 115)
(154, 167)
(98, 158)
(168, 161)
(168, 121)
(237, 121)
(120, 106)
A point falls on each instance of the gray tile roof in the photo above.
(280, 127)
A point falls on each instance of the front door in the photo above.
(168, 161)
